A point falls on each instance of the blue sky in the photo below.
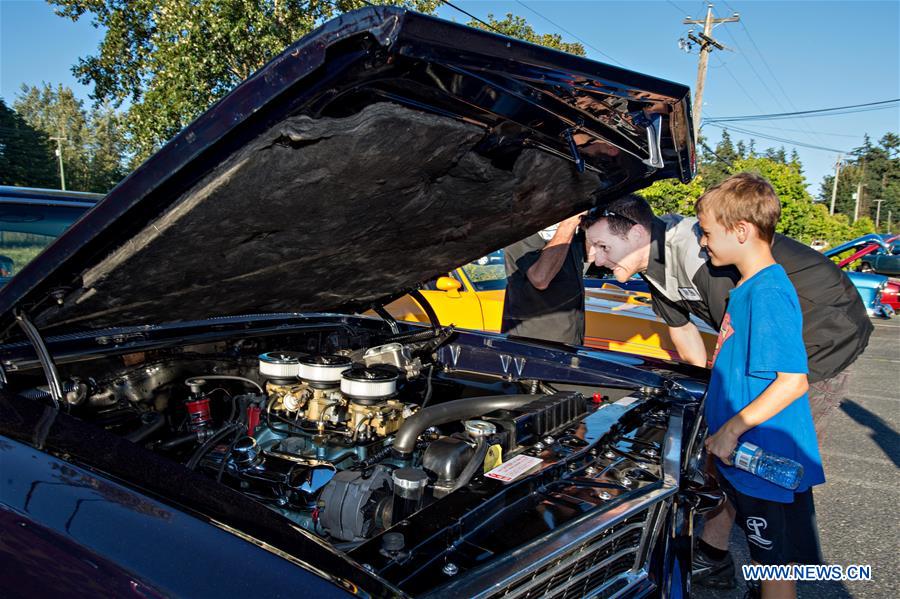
(786, 56)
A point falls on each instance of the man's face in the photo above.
(721, 244)
(624, 256)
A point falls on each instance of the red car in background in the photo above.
(867, 248)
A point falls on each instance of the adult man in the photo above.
(627, 238)
(544, 285)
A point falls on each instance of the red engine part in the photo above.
(252, 419)
(198, 412)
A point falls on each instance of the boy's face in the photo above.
(621, 255)
(722, 245)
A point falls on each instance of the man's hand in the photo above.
(553, 256)
(722, 444)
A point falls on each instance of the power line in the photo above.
(567, 32)
(775, 138)
(772, 73)
(471, 16)
(680, 10)
(854, 136)
(818, 111)
(738, 82)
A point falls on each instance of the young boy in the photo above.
(757, 391)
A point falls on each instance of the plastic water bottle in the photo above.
(776, 469)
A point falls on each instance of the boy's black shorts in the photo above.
(777, 533)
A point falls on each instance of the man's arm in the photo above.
(786, 388)
(689, 344)
(553, 256)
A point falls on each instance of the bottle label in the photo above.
(743, 455)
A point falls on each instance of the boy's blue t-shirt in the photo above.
(762, 335)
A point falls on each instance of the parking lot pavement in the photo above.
(857, 508)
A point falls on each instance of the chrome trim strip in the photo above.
(652, 519)
(662, 510)
(58, 203)
(583, 575)
(575, 557)
(633, 579)
(671, 461)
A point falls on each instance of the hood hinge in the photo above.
(43, 354)
(386, 316)
(429, 311)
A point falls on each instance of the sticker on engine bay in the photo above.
(514, 468)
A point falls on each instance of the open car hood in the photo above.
(378, 151)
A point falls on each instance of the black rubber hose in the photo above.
(153, 422)
(474, 464)
(178, 441)
(460, 409)
(428, 387)
(210, 443)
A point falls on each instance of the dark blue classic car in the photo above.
(192, 406)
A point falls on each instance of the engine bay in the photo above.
(375, 443)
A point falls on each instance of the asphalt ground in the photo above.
(858, 508)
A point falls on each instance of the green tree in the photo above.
(26, 157)
(873, 168)
(94, 144)
(172, 59)
(802, 218)
(790, 185)
(107, 149)
(716, 164)
(862, 226)
(518, 27)
(57, 112)
(673, 196)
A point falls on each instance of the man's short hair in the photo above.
(744, 196)
(621, 214)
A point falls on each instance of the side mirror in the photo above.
(449, 284)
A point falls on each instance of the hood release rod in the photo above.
(43, 355)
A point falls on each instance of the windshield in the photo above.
(30, 219)
(488, 273)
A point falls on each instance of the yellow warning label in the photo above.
(493, 458)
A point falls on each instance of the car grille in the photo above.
(600, 566)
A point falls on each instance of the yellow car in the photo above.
(471, 297)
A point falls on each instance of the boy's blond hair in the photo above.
(744, 196)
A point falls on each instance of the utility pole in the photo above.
(877, 214)
(707, 43)
(59, 154)
(837, 173)
(858, 197)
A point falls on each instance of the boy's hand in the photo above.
(722, 444)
